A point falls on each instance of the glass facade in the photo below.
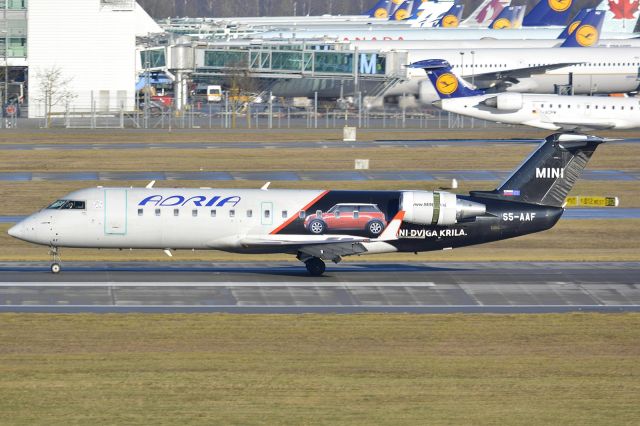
(293, 59)
(153, 58)
(13, 25)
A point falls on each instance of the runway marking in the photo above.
(309, 284)
(331, 306)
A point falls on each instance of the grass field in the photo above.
(567, 369)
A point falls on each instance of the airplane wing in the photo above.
(509, 77)
(324, 246)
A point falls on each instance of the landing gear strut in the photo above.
(315, 266)
(55, 260)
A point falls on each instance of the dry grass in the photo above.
(579, 369)
(569, 240)
(474, 157)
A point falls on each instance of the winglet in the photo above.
(265, 187)
(150, 184)
(391, 231)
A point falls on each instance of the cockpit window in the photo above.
(67, 205)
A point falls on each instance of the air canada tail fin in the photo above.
(446, 83)
(510, 17)
(487, 12)
(548, 12)
(622, 15)
(549, 173)
(381, 10)
(573, 24)
(451, 18)
(587, 33)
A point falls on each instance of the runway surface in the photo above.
(569, 214)
(344, 175)
(511, 287)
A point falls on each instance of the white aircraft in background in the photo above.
(589, 70)
(551, 112)
(313, 225)
(616, 26)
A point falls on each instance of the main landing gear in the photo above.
(315, 266)
(55, 260)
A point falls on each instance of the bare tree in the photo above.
(54, 90)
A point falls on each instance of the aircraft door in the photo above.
(115, 211)
(266, 213)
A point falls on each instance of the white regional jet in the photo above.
(552, 112)
(313, 225)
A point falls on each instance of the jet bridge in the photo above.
(294, 69)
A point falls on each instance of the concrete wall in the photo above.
(92, 45)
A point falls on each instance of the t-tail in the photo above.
(510, 17)
(547, 176)
(548, 12)
(381, 10)
(587, 32)
(451, 18)
(487, 12)
(447, 84)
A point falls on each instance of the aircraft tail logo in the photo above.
(587, 32)
(510, 17)
(548, 12)
(624, 9)
(451, 19)
(446, 83)
(569, 29)
(490, 11)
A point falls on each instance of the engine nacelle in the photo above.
(437, 208)
(505, 101)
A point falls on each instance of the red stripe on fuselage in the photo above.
(295, 216)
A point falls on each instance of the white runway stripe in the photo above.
(309, 284)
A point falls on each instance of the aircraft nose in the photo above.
(437, 104)
(16, 231)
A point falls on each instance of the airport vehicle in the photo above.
(552, 112)
(272, 221)
(208, 93)
(348, 217)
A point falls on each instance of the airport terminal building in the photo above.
(90, 64)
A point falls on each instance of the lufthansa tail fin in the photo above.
(510, 17)
(548, 174)
(381, 10)
(587, 33)
(403, 11)
(451, 18)
(548, 12)
(573, 24)
(446, 83)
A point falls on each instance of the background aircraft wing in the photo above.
(507, 77)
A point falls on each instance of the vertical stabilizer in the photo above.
(621, 15)
(573, 24)
(587, 33)
(451, 18)
(548, 12)
(548, 174)
(446, 83)
(485, 13)
(510, 17)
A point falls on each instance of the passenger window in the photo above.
(140, 211)
(232, 213)
(213, 213)
(249, 213)
(157, 212)
(284, 214)
(176, 212)
(302, 214)
(194, 213)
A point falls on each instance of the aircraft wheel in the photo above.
(55, 268)
(315, 266)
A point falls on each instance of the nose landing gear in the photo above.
(55, 260)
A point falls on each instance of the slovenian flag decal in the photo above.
(511, 192)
